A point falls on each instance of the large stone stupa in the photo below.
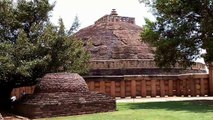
(115, 37)
(116, 49)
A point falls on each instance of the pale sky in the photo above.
(88, 11)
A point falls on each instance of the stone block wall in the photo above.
(46, 105)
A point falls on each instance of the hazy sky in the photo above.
(88, 11)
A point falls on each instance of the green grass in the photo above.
(187, 110)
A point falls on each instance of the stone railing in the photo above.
(112, 18)
(153, 86)
(131, 63)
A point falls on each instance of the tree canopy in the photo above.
(31, 46)
(183, 28)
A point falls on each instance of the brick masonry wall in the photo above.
(45, 105)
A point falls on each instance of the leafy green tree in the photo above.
(30, 46)
(182, 29)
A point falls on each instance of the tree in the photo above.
(182, 29)
(30, 46)
(74, 27)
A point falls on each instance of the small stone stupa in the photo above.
(62, 94)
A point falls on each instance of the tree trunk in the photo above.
(5, 94)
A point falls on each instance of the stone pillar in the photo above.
(211, 79)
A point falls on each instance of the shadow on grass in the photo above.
(192, 106)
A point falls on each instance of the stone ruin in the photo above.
(63, 94)
(116, 49)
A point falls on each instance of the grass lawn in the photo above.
(186, 110)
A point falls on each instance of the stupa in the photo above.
(115, 37)
(116, 49)
(62, 94)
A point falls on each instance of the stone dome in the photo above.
(114, 37)
(62, 82)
